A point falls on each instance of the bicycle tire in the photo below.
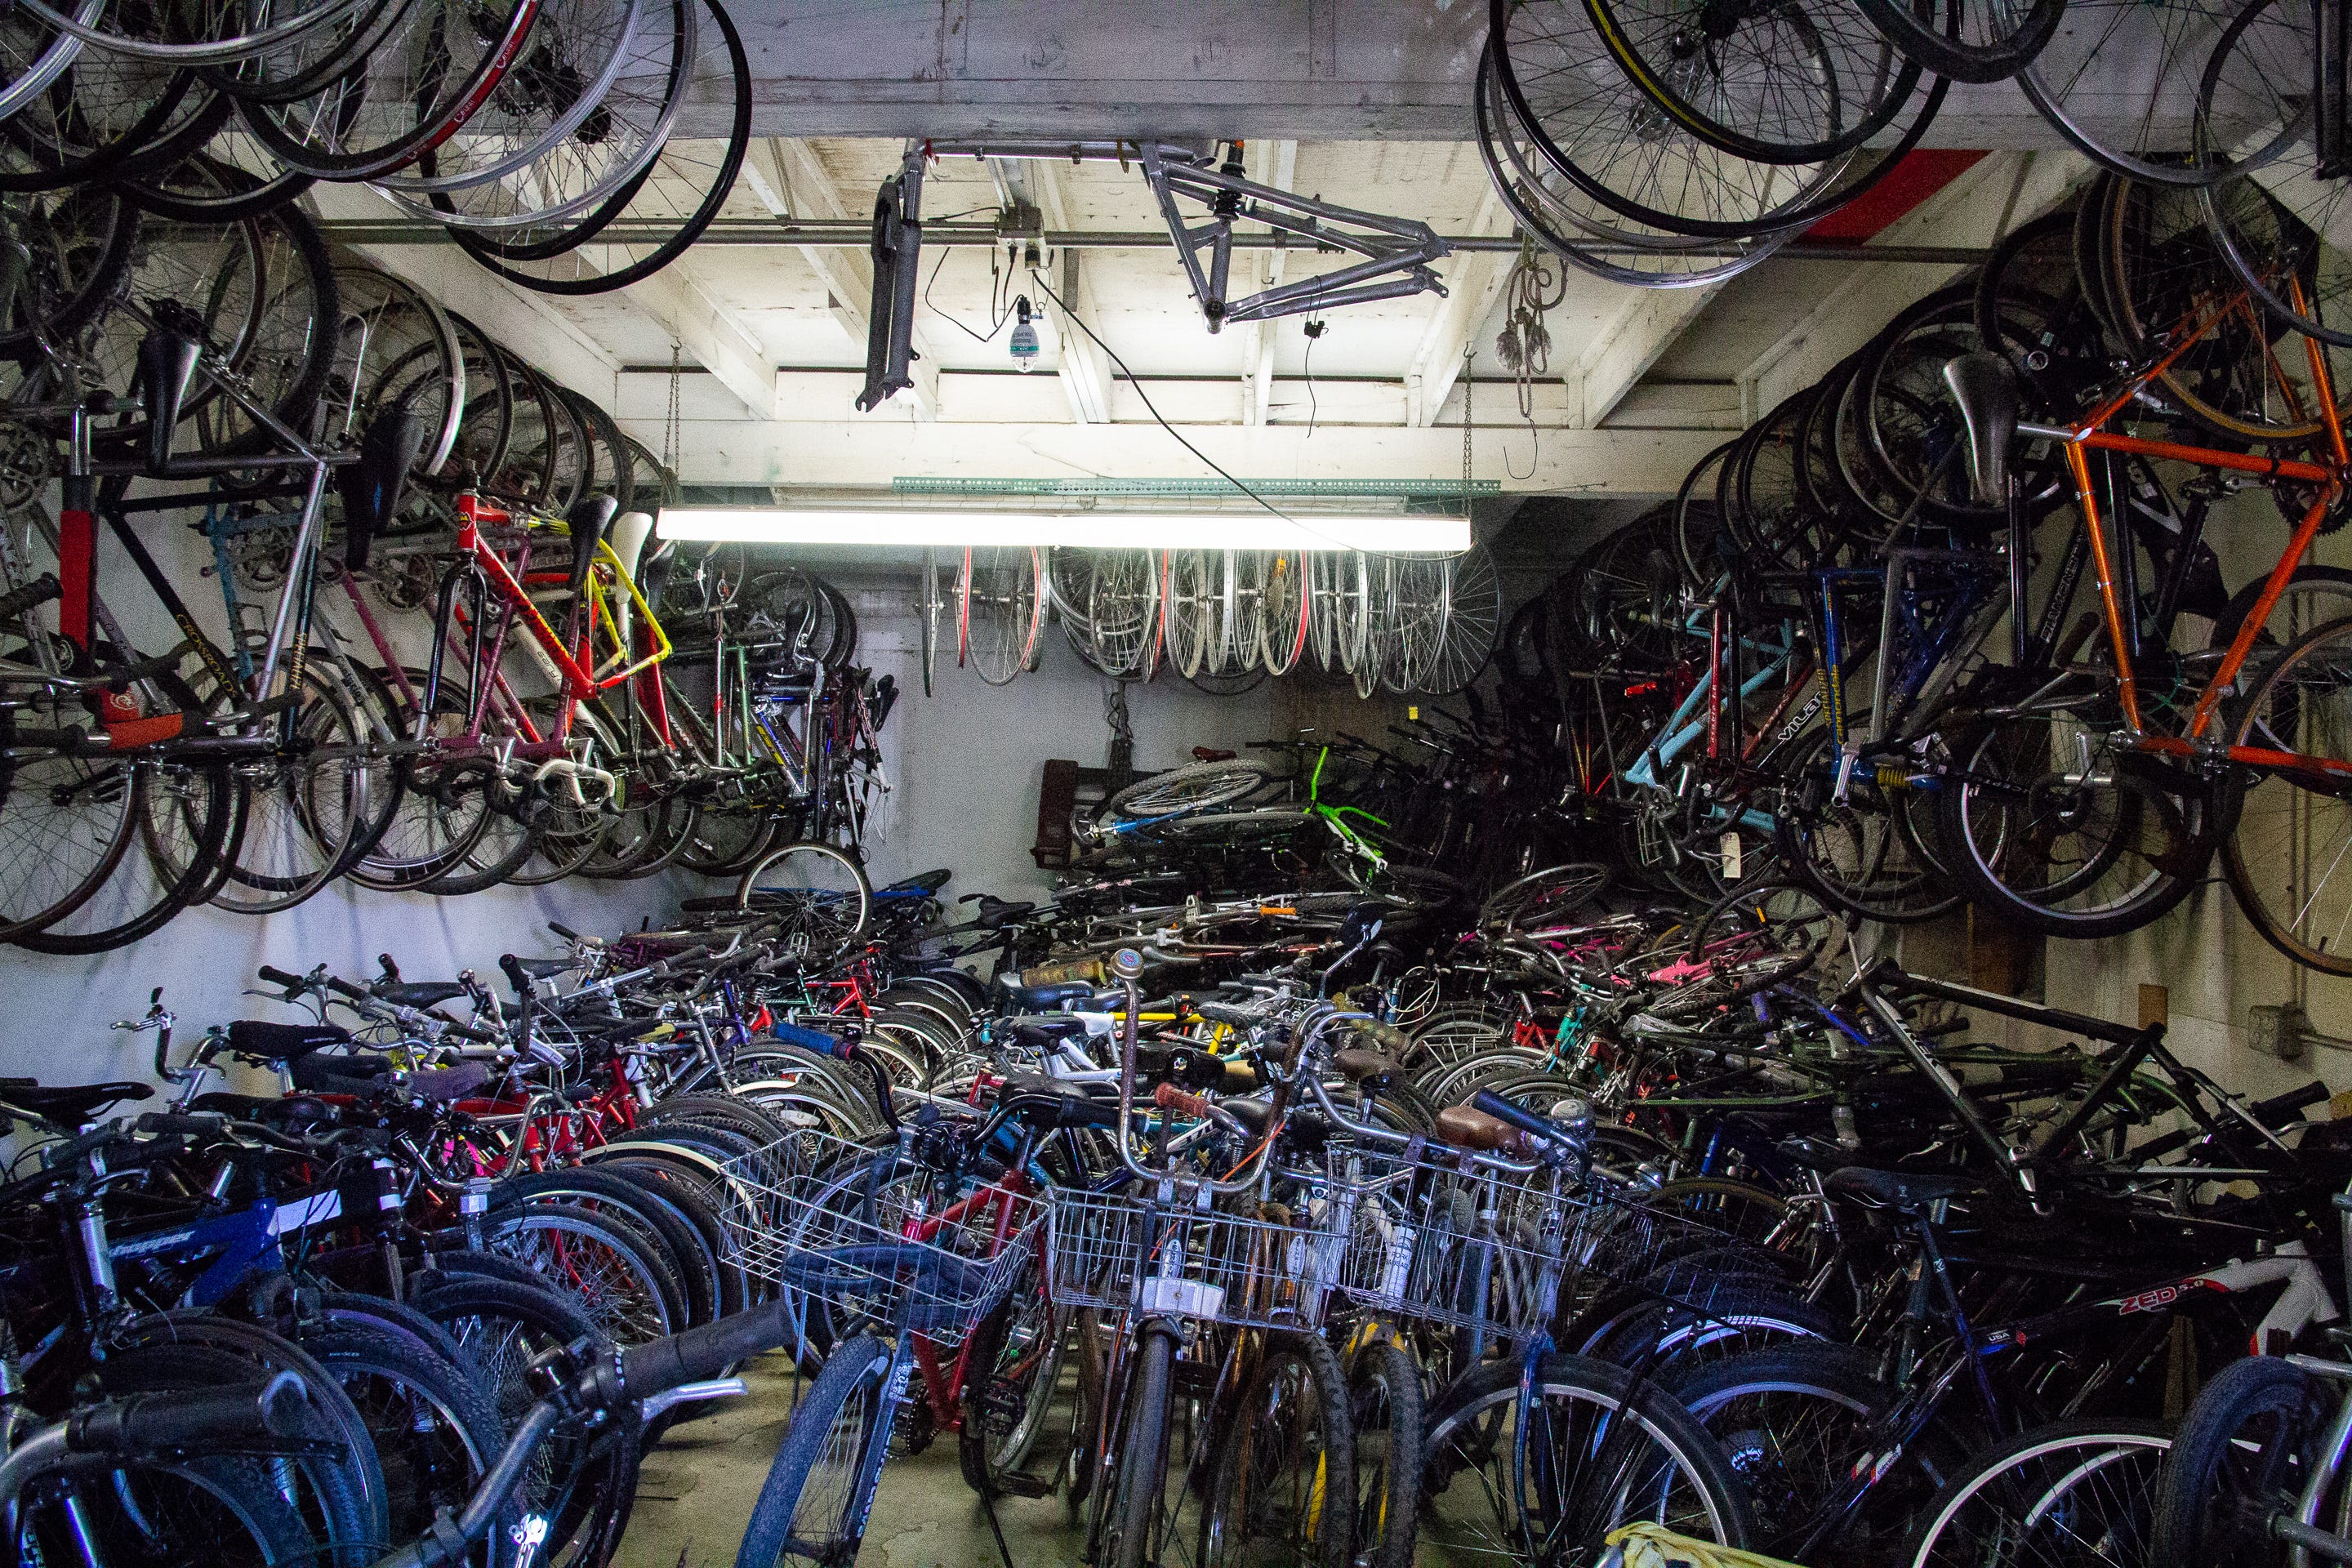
(1131, 1505)
(1995, 58)
(1012, 1363)
(2031, 1489)
(1196, 786)
(435, 1433)
(144, 894)
(1987, 851)
(2245, 1449)
(835, 1419)
(1296, 1407)
(633, 1298)
(1384, 1409)
(594, 1190)
(2305, 924)
(1700, 1495)
(1767, 1407)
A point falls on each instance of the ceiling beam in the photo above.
(1992, 198)
(1621, 352)
(518, 320)
(1083, 364)
(867, 453)
(1473, 283)
(1275, 164)
(793, 182)
(711, 332)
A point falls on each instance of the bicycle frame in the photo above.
(2078, 441)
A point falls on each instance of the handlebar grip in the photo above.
(193, 1418)
(2285, 1105)
(480, 1036)
(341, 987)
(197, 1124)
(816, 1040)
(279, 977)
(565, 932)
(1168, 1097)
(1525, 1120)
(704, 1352)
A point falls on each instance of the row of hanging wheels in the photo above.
(1423, 623)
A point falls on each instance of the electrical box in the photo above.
(2278, 1031)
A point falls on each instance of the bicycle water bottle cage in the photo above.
(587, 519)
(1985, 387)
(370, 486)
(167, 368)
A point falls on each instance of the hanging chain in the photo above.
(1469, 390)
(672, 424)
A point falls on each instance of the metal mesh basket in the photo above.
(862, 1234)
(1434, 1238)
(1131, 1254)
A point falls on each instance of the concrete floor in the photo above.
(698, 1486)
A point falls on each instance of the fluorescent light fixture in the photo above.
(1389, 532)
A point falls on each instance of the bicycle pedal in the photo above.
(1019, 1483)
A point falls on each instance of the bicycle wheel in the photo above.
(2276, 227)
(813, 1507)
(2046, 822)
(2119, 79)
(65, 823)
(1129, 1508)
(1793, 1421)
(1474, 615)
(1283, 1483)
(2288, 856)
(2245, 1451)
(816, 894)
(435, 1433)
(2076, 1492)
(1286, 609)
(1864, 854)
(1592, 1449)
(1012, 1375)
(1986, 41)
(303, 810)
(185, 815)
(1002, 601)
(1186, 605)
(1384, 1413)
(615, 1275)
(1781, 84)
(1122, 609)
(1193, 787)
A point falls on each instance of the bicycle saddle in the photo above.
(586, 520)
(1043, 1032)
(653, 582)
(1466, 1127)
(1046, 998)
(73, 1105)
(357, 1072)
(1046, 1103)
(924, 882)
(166, 370)
(995, 911)
(442, 1085)
(540, 968)
(1374, 1069)
(1985, 387)
(370, 486)
(263, 1042)
(1903, 1189)
(421, 992)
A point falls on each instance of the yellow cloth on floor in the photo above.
(1654, 1546)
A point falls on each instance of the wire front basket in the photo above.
(1435, 1240)
(865, 1234)
(1265, 1269)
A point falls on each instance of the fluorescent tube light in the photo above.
(1412, 532)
